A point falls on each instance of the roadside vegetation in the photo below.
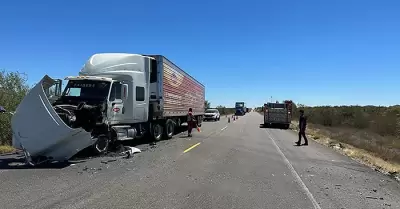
(13, 88)
(373, 132)
(222, 109)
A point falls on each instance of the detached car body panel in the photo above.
(40, 132)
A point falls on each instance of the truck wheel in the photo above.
(169, 129)
(156, 131)
(286, 126)
(101, 144)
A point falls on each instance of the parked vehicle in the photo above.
(116, 97)
(278, 114)
(212, 114)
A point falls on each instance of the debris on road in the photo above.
(108, 161)
(130, 151)
(375, 198)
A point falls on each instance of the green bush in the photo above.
(13, 88)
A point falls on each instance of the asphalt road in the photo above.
(235, 165)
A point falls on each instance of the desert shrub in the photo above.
(13, 88)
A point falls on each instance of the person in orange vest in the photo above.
(190, 121)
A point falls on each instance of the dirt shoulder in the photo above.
(367, 148)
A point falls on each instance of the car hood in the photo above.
(39, 131)
(210, 113)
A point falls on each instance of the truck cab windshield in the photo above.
(87, 90)
(276, 105)
(239, 105)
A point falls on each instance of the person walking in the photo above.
(190, 121)
(302, 126)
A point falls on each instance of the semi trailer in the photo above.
(115, 97)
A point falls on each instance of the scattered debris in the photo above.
(129, 151)
(375, 198)
(108, 161)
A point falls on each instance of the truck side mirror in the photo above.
(124, 93)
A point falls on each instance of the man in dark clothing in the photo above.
(302, 126)
(190, 122)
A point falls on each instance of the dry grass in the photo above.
(366, 147)
(6, 149)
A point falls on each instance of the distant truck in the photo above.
(278, 114)
(240, 108)
(116, 97)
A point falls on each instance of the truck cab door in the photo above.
(115, 111)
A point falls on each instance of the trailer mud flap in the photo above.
(39, 131)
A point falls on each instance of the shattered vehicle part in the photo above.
(41, 133)
(129, 151)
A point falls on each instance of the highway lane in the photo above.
(235, 165)
(55, 187)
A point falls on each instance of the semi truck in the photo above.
(115, 97)
(240, 108)
(278, 114)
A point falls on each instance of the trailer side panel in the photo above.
(180, 91)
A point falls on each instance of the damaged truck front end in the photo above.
(56, 128)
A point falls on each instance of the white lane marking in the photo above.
(224, 128)
(295, 174)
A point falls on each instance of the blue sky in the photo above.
(313, 52)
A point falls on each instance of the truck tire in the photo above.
(169, 129)
(156, 131)
(286, 126)
(101, 145)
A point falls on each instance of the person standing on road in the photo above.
(302, 126)
(190, 121)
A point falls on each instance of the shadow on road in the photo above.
(18, 162)
(272, 127)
